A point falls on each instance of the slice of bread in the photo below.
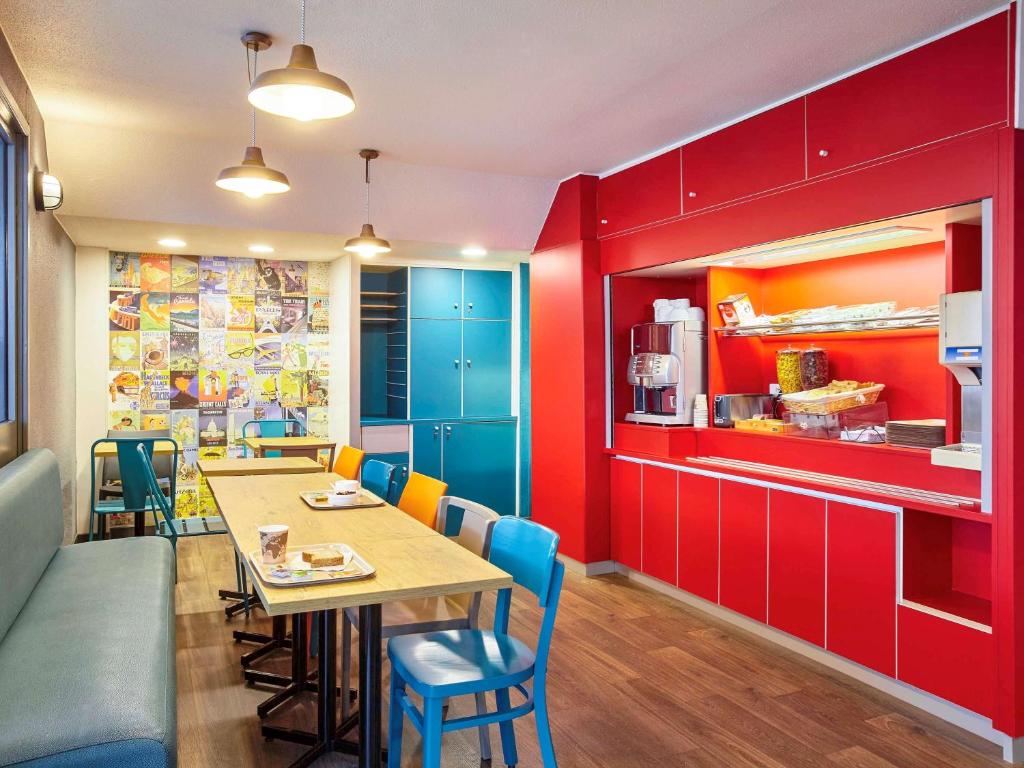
(321, 558)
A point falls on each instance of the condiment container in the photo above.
(814, 368)
(787, 368)
(737, 310)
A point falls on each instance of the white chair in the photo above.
(432, 614)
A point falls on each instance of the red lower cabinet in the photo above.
(796, 565)
(861, 585)
(626, 479)
(698, 535)
(744, 549)
(950, 660)
(659, 523)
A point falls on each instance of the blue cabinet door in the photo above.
(486, 295)
(480, 463)
(435, 293)
(487, 375)
(426, 448)
(435, 369)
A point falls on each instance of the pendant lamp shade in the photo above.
(367, 244)
(252, 178)
(301, 91)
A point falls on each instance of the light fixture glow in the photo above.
(368, 244)
(171, 242)
(817, 246)
(257, 248)
(474, 250)
(300, 90)
(49, 192)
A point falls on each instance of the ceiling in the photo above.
(478, 106)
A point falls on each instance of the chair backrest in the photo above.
(349, 461)
(528, 551)
(161, 502)
(272, 428)
(134, 489)
(376, 478)
(110, 469)
(421, 496)
(474, 531)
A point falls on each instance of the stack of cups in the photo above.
(700, 411)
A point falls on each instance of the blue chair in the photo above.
(460, 662)
(135, 496)
(171, 527)
(378, 478)
(272, 428)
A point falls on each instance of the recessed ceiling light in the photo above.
(171, 242)
(474, 250)
(256, 248)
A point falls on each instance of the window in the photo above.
(14, 175)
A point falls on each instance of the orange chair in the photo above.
(349, 461)
(421, 497)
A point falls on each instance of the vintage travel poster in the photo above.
(198, 346)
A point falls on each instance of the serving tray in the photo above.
(363, 500)
(294, 572)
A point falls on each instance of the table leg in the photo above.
(140, 523)
(370, 663)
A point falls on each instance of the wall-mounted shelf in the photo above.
(874, 324)
(379, 319)
(380, 294)
(383, 307)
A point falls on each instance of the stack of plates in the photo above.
(919, 433)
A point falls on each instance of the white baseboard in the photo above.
(1013, 749)
(599, 568)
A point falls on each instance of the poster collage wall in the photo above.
(201, 345)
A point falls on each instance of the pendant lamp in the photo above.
(300, 90)
(253, 178)
(368, 244)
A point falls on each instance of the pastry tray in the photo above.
(296, 573)
(363, 500)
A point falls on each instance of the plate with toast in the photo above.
(312, 564)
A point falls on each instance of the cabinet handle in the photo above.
(456, 363)
(437, 431)
(604, 221)
(455, 305)
(822, 153)
(470, 306)
(469, 363)
(691, 194)
(447, 431)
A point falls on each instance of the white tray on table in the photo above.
(294, 572)
(363, 499)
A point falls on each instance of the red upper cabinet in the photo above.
(659, 523)
(955, 84)
(744, 549)
(796, 565)
(861, 584)
(647, 192)
(761, 153)
(626, 478)
(698, 535)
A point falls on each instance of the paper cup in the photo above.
(346, 486)
(273, 543)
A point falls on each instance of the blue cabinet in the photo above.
(435, 293)
(486, 295)
(486, 379)
(476, 458)
(435, 368)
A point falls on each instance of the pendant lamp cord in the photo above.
(302, 22)
(367, 190)
(251, 69)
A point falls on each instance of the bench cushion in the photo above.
(87, 672)
(31, 528)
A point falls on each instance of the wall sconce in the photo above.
(48, 191)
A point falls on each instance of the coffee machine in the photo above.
(666, 371)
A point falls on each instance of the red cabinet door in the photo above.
(698, 535)
(796, 565)
(744, 549)
(861, 584)
(955, 84)
(659, 523)
(761, 153)
(951, 660)
(642, 194)
(626, 479)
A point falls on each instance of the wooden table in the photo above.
(283, 465)
(109, 450)
(411, 561)
(286, 444)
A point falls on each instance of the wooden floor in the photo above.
(636, 679)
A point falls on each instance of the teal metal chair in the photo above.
(135, 496)
(171, 527)
(441, 665)
(378, 478)
(272, 428)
